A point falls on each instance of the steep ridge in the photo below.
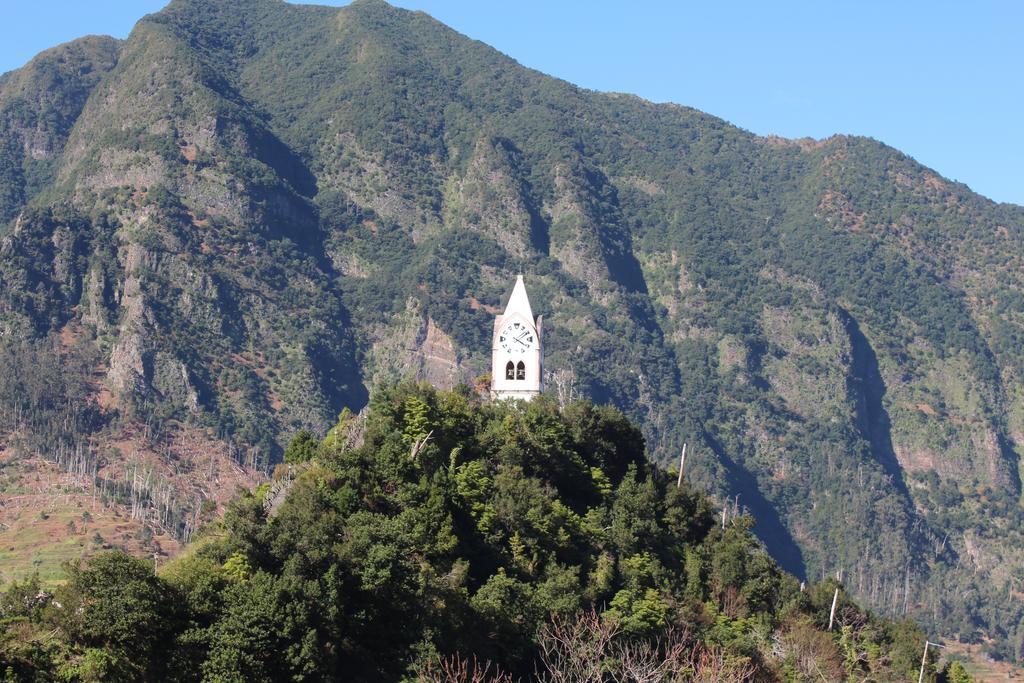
(263, 211)
(38, 106)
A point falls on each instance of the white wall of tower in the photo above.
(532, 382)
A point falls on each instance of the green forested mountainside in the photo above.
(523, 539)
(38, 107)
(262, 211)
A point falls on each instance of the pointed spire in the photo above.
(519, 302)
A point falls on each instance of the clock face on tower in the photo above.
(516, 337)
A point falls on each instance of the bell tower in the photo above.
(517, 355)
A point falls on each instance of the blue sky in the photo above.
(941, 81)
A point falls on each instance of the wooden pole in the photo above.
(832, 612)
(924, 659)
(682, 464)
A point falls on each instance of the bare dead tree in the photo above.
(711, 665)
(682, 466)
(590, 649)
(572, 650)
(652, 661)
(456, 669)
(564, 382)
(813, 652)
(420, 444)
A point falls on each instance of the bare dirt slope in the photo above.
(49, 516)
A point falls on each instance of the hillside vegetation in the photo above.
(521, 540)
(257, 212)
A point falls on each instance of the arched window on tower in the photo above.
(521, 370)
(510, 371)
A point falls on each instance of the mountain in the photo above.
(251, 214)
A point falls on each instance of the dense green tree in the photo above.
(301, 448)
(956, 673)
(120, 614)
(245, 643)
(513, 523)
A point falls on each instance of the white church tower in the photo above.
(517, 355)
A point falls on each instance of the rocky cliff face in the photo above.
(261, 211)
